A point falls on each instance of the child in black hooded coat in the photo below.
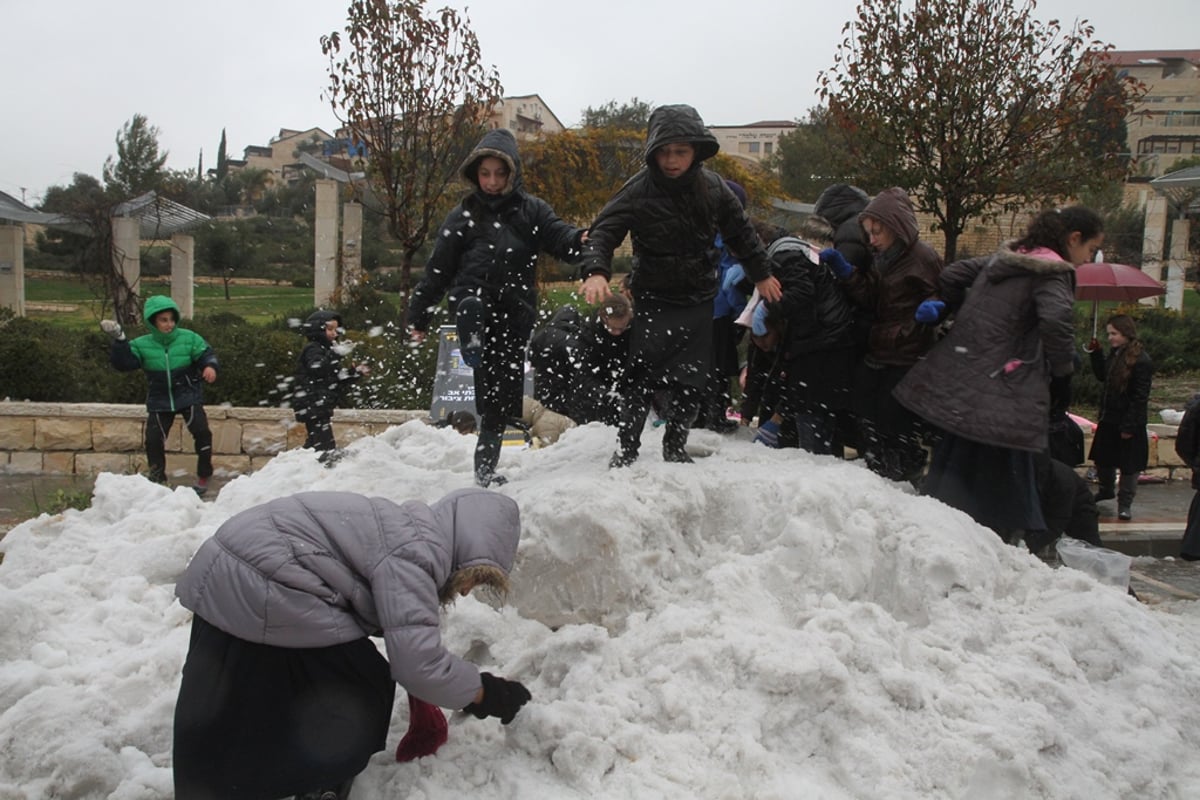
(485, 260)
(319, 380)
(672, 210)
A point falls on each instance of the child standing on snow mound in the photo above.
(673, 210)
(485, 259)
(175, 361)
(320, 379)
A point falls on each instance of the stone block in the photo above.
(59, 433)
(174, 442)
(58, 462)
(1152, 456)
(346, 432)
(296, 434)
(227, 436)
(95, 463)
(118, 435)
(181, 465)
(230, 466)
(25, 462)
(264, 438)
(17, 433)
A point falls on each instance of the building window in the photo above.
(754, 148)
(768, 148)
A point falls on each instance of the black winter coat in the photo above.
(1122, 412)
(840, 204)
(579, 367)
(816, 307)
(673, 223)
(320, 378)
(1187, 439)
(489, 245)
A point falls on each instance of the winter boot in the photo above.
(487, 454)
(469, 319)
(629, 434)
(1126, 489)
(675, 443)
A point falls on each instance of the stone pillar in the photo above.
(127, 263)
(352, 221)
(183, 273)
(325, 243)
(12, 268)
(1177, 263)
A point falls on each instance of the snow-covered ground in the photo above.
(761, 624)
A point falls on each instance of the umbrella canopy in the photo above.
(1120, 282)
(1114, 282)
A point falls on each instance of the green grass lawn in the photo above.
(254, 303)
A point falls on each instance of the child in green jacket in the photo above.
(175, 360)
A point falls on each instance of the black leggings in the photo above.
(158, 426)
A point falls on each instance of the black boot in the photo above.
(675, 443)
(487, 454)
(629, 434)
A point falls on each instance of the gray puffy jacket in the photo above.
(322, 568)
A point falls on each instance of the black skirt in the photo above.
(996, 486)
(671, 345)
(257, 722)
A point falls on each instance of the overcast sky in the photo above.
(77, 70)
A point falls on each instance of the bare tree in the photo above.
(414, 89)
(977, 108)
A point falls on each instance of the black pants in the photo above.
(256, 722)
(320, 432)
(158, 426)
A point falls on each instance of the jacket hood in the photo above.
(314, 327)
(1010, 262)
(679, 123)
(893, 208)
(840, 202)
(157, 304)
(485, 527)
(501, 144)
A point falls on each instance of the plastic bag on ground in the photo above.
(1107, 566)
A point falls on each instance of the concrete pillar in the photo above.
(325, 243)
(1153, 240)
(127, 263)
(352, 221)
(12, 268)
(183, 273)
(1177, 263)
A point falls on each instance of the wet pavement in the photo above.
(1152, 537)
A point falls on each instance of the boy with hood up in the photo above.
(485, 259)
(673, 210)
(283, 691)
(175, 360)
(320, 379)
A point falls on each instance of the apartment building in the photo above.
(527, 116)
(1164, 127)
(754, 142)
(281, 156)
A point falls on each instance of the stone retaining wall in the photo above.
(86, 438)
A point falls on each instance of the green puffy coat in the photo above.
(172, 361)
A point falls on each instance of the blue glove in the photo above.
(733, 276)
(837, 262)
(768, 434)
(758, 325)
(929, 312)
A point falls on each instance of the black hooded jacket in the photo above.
(818, 312)
(319, 375)
(489, 244)
(841, 204)
(673, 222)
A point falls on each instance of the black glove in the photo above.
(501, 698)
